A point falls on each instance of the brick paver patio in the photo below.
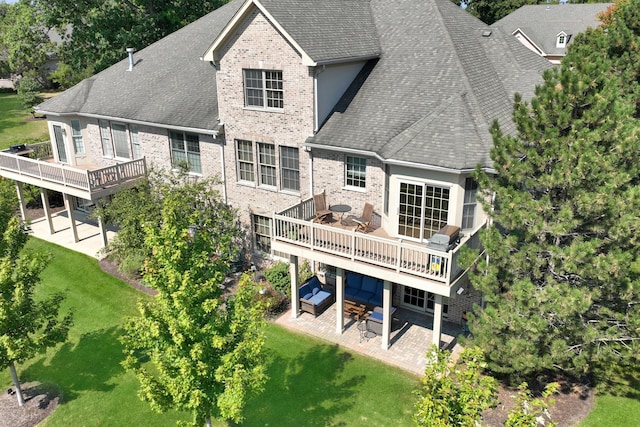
(411, 335)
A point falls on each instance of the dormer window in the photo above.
(562, 39)
(263, 89)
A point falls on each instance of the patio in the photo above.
(411, 336)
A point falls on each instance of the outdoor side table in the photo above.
(340, 209)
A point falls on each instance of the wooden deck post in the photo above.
(47, 208)
(23, 207)
(437, 319)
(339, 300)
(72, 216)
(295, 294)
(386, 314)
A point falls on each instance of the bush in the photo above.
(278, 276)
(131, 265)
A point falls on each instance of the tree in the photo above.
(562, 281)
(27, 326)
(29, 91)
(190, 348)
(24, 39)
(454, 393)
(102, 30)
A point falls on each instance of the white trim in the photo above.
(213, 132)
(524, 35)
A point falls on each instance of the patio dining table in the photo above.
(341, 209)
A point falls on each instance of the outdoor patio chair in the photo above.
(364, 222)
(323, 214)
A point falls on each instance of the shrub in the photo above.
(278, 276)
(29, 91)
(131, 265)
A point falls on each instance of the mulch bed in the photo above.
(38, 405)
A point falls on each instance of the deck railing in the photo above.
(69, 176)
(293, 226)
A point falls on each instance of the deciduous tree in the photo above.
(562, 281)
(27, 326)
(191, 348)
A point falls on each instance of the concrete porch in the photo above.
(410, 338)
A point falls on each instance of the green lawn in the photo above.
(16, 123)
(312, 383)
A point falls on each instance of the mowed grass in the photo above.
(17, 124)
(613, 411)
(312, 383)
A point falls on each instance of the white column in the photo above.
(437, 319)
(47, 209)
(295, 294)
(23, 208)
(339, 300)
(386, 314)
(72, 216)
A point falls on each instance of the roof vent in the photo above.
(486, 33)
(130, 51)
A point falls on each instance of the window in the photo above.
(355, 172)
(423, 300)
(245, 160)
(105, 134)
(562, 40)
(289, 169)
(263, 171)
(76, 135)
(135, 142)
(469, 206)
(185, 149)
(267, 164)
(423, 210)
(262, 231)
(263, 89)
(120, 140)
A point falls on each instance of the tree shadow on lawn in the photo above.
(309, 390)
(88, 365)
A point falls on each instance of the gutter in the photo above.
(214, 132)
(398, 162)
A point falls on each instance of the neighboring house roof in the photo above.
(541, 24)
(441, 79)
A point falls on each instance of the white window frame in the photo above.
(419, 219)
(136, 146)
(259, 234)
(267, 167)
(355, 172)
(76, 136)
(105, 137)
(289, 169)
(245, 161)
(126, 140)
(469, 204)
(263, 89)
(108, 140)
(562, 39)
(186, 151)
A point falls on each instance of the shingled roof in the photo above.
(442, 77)
(541, 24)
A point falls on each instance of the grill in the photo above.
(445, 239)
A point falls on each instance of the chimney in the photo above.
(130, 52)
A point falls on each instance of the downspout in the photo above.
(224, 174)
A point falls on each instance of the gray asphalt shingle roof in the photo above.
(429, 99)
(436, 88)
(542, 23)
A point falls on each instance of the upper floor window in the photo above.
(76, 135)
(562, 39)
(263, 165)
(118, 139)
(355, 172)
(289, 169)
(263, 89)
(185, 149)
(135, 142)
(470, 202)
(267, 164)
(244, 155)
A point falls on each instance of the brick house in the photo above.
(367, 101)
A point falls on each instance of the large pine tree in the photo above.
(562, 272)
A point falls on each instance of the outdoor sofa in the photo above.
(314, 299)
(363, 289)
